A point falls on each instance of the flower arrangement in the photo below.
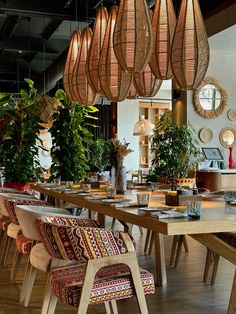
(119, 149)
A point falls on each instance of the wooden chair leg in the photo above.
(4, 245)
(215, 267)
(47, 296)
(173, 249)
(52, 304)
(30, 283)
(141, 230)
(207, 264)
(178, 251)
(232, 301)
(7, 250)
(15, 265)
(114, 307)
(25, 281)
(107, 307)
(185, 244)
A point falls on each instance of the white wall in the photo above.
(128, 115)
(223, 68)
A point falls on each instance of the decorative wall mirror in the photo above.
(209, 98)
(228, 137)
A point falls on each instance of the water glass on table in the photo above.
(143, 199)
(86, 187)
(194, 209)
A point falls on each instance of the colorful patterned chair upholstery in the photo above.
(106, 269)
(39, 258)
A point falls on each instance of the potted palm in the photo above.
(20, 136)
(71, 139)
(175, 150)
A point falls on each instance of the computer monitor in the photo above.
(212, 153)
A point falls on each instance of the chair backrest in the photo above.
(82, 243)
(12, 196)
(11, 204)
(26, 215)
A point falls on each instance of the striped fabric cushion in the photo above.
(75, 243)
(111, 283)
(23, 244)
(4, 222)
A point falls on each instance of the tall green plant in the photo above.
(19, 145)
(100, 158)
(175, 149)
(71, 139)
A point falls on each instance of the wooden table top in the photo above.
(216, 217)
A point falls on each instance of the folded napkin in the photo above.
(170, 214)
(94, 197)
(125, 204)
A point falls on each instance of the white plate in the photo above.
(114, 200)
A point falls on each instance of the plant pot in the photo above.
(25, 187)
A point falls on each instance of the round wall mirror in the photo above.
(209, 98)
(227, 137)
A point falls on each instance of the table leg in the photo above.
(232, 301)
(160, 260)
(102, 219)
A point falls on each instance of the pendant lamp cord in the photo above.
(44, 61)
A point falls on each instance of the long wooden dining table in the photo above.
(216, 217)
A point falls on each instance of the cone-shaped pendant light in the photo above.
(95, 49)
(163, 27)
(133, 35)
(132, 94)
(82, 90)
(146, 82)
(114, 81)
(190, 49)
(73, 52)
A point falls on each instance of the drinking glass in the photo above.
(194, 209)
(142, 199)
(86, 187)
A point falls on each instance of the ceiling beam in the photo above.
(25, 44)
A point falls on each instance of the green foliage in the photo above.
(174, 148)
(19, 138)
(71, 139)
(100, 155)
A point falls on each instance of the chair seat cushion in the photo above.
(4, 222)
(228, 237)
(13, 230)
(39, 258)
(111, 282)
(23, 244)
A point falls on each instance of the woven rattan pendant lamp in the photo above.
(114, 81)
(133, 35)
(99, 29)
(70, 63)
(132, 94)
(146, 83)
(190, 49)
(163, 27)
(82, 90)
(143, 127)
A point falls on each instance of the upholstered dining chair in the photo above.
(229, 238)
(107, 269)
(9, 229)
(39, 259)
(23, 245)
